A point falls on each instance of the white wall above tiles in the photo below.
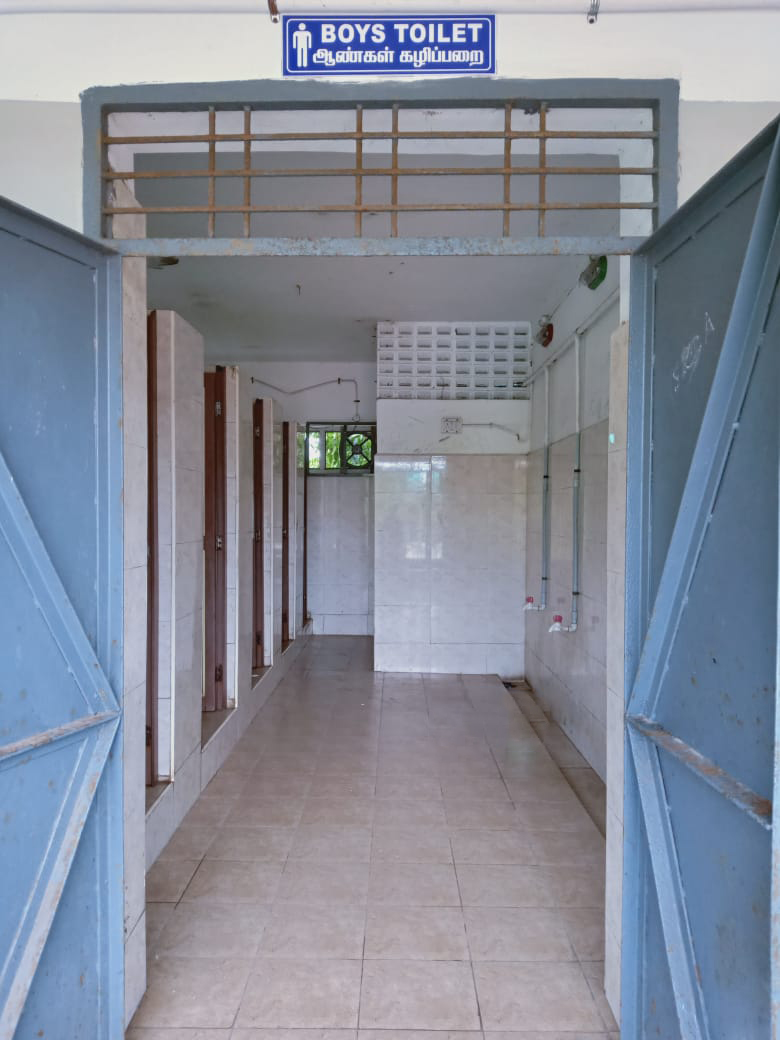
(333, 403)
(414, 427)
(341, 555)
(599, 319)
(450, 563)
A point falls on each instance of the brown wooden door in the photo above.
(285, 533)
(258, 601)
(152, 598)
(305, 479)
(215, 598)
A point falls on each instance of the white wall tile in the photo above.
(450, 562)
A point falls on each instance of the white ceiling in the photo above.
(326, 308)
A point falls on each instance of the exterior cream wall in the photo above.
(55, 57)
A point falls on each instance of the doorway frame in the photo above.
(97, 103)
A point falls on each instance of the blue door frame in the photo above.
(61, 619)
(700, 906)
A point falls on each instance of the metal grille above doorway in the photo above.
(478, 169)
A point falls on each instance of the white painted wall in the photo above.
(54, 57)
(40, 164)
(328, 403)
(414, 427)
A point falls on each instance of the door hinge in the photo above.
(219, 541)
(218, 673)
(259, 638)
(257, 431)
(148, 736)
(218, 408)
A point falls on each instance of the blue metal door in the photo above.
(699, 943)
(61, 857)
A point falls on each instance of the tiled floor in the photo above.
(382, 853)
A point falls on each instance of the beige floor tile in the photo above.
(208, 812)
(487, 815)
(212, 930)
(302, 994)
(266, 812)
(345, 812)
(324, 883)
(226, 785)
(390, 812)
(555, 816)
(576, 886)
(594, 973)
(492, 846)
(411, 845)
(157, 916)
(535, 996)
(407, 788)
(416, 1034)
(168, 878)
(192, 992)
(556, 1034)
(417, 933)
(285, 762)
(264, 785)
(533, 781)
(330, 835)
(566, 847)
(413, 884)
(418, 995)
(351, 786)
(234, 881)
(332, 844)
(511, 934)
(475, 789)
(488, 885)
(293, 1034)
(314, 931)
(188, 842)
(178, 1034)
(262, 844)
(585, 929)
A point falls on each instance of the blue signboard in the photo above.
(402, 46)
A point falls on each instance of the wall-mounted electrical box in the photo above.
(451, 424)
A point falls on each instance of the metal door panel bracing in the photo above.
(700, 943)
(61, 859)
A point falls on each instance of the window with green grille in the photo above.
(340, 448)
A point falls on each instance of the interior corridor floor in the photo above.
(381, 854)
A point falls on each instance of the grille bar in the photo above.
(585, 162)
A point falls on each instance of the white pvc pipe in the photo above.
(386, 7)
(567, 344)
